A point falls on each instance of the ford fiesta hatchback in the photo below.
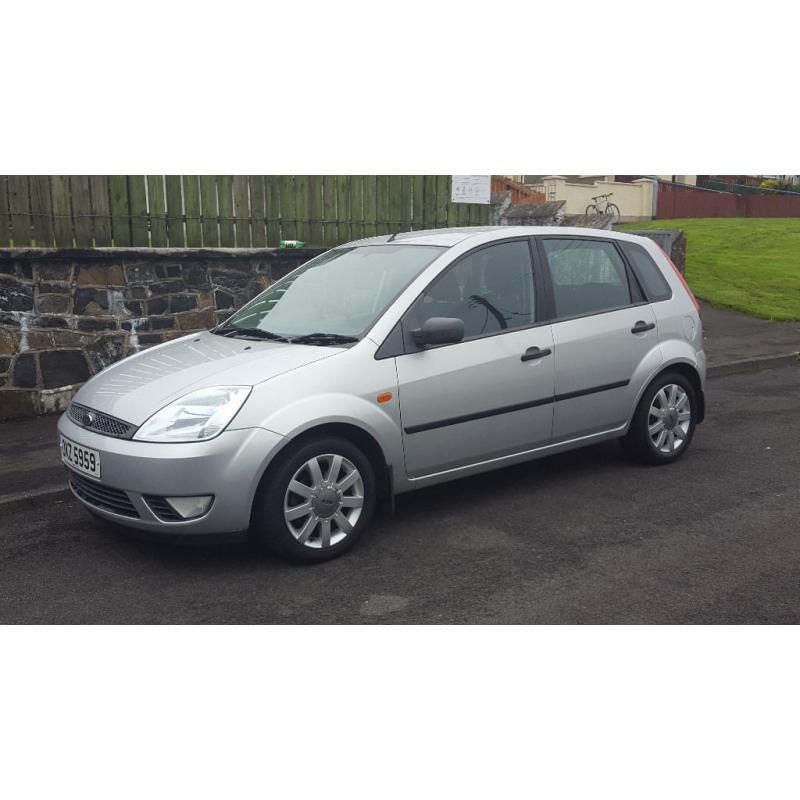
(386, 365)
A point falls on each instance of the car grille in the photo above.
(102, 496)
(101, 423)
(161, 508)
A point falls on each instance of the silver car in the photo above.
(386, 365)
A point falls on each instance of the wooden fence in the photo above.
(677, 201)
(222, 210)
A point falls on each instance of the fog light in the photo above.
(190, 507)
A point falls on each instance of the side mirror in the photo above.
(439, 330)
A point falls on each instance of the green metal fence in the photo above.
(221, 210)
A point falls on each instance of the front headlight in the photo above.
(195, 417)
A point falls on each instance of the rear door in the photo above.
(603, 329)
(491, 394)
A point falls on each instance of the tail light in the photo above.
(681, 279)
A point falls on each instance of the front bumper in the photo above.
(228, 467)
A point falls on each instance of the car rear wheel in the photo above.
(316, 501)
(663, 425)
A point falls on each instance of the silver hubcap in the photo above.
(669, 418)
(324, 500)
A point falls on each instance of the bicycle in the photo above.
(612, 209)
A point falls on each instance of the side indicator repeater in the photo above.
(384, 397)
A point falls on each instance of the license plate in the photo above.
(80, 458)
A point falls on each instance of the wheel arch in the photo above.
(360, 437)
(688, 371)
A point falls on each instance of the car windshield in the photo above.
(333, 298)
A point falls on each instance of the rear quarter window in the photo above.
(647, 272)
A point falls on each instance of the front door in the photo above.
(491, 394)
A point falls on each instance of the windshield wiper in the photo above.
(248, 333)
(309, 338)
(323, 339)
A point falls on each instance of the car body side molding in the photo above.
(493, 412)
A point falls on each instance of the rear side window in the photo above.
(647, 271)
(588, 276)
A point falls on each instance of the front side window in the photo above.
(588, 276)
(491, 290)
(342, 292)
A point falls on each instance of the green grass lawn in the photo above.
(748, 264)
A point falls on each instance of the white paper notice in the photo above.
(471, 189)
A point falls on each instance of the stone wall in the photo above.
(547, 214)
(67, 314)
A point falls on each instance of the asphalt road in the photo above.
(584, 537)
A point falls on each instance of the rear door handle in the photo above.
(532, 353)
(641, 326)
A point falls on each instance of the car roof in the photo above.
(441, 237)
(449, 237)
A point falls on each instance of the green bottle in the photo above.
(291, 243)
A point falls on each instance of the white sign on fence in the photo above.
(471, 189)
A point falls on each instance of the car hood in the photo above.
(135, 388)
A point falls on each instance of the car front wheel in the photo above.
(663, 425)
(316, 501)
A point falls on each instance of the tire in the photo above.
(647, 446)
(613, 210)
(319, 515)
(591, 210)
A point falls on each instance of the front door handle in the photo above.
(642, 327)
(532, 353)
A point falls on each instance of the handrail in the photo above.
(692, 187)
(518, 190)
